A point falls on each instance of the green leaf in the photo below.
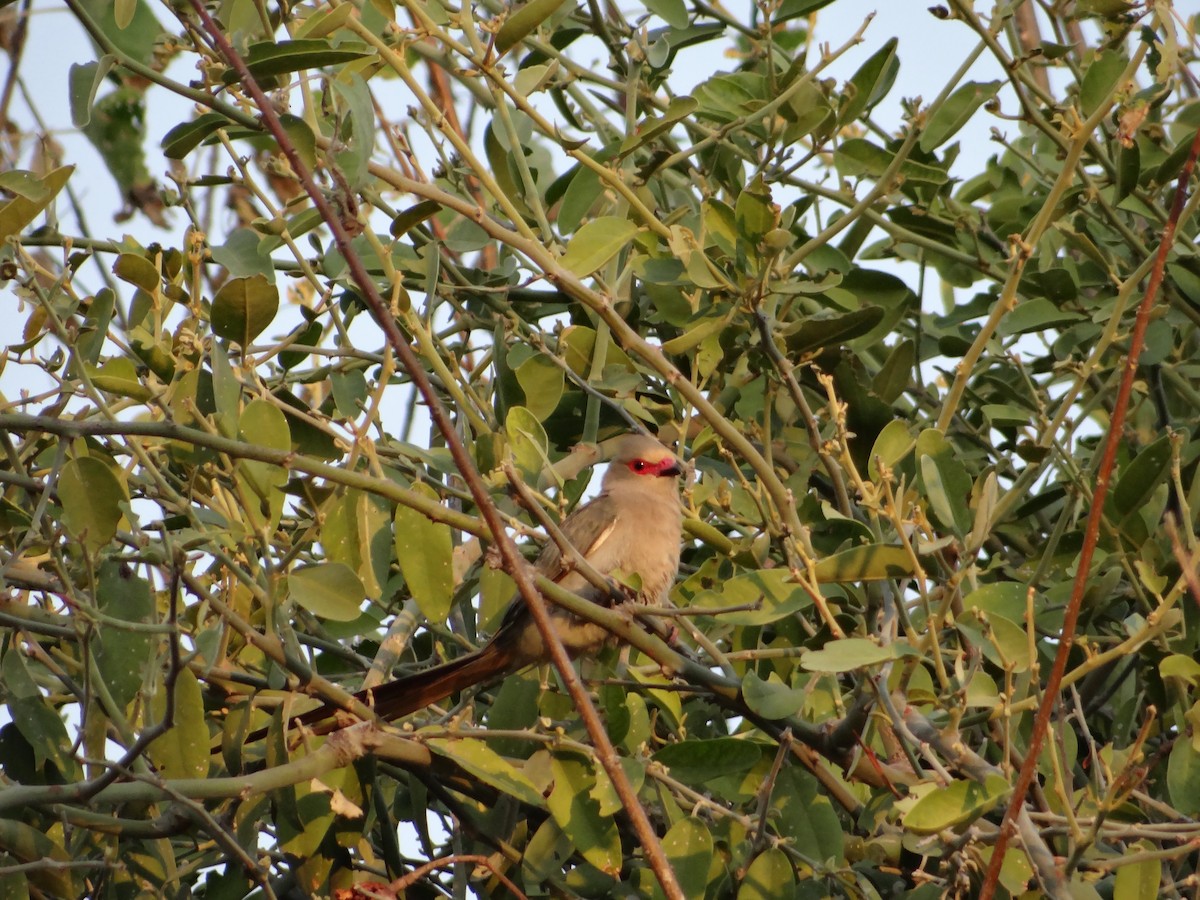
(772, 590)
(528, 442)
(136, 37)
(754, 213)
(38, 722)
(268, 59)
(350, 392)
(673, 12)
(85, 79)
(542, 381)
(807, 817)
(892, 445)
(303, 141)
(28, 204)
(857, 157)
(605, 794)
(581, 194)
(304, 335)
(183, 752)
(91, 497)
(305, 819)
(246, 253)
(522, 23)
(425, 553)
(769, 877)
(49, 864)
(956, 804)
(243, 308)
(696, 761)
(948, 488)
(329, 590)
(871, 82)
(1100, 79)
(790, 9)
(689, 848)
(1183, 778)
(1000, 414)
(896, 374)
(477, 758)
(187, 136)
(846, 655)
(1035, 315)
(771, 699)
(1179, 666)
(1009, 643)
(1139, 880)
(410, 218)
(324, 22)
(577, 344)
(1141, 478)
(596, 243)
(138, 271)
(827, 328)
(119, 376)
(358, 532)
(1001, 598)
(696, 333)
(952, 115)
(654, 125)
(868, 562)
(263, 424)
(123, 655)
(356, 107)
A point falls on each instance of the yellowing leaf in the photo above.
(91, 497)
(426, 556)
(957, 804)
(182, 752)
(578, 814)
(865, 563)
(28, 204)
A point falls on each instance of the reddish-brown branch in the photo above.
(400, 885)
(1041, 722)
(514, 563)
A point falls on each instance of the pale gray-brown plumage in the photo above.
(633, 526)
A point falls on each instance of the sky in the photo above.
(930, 50)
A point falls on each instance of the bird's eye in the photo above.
(638, 465)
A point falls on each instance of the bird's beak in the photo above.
(674, 470)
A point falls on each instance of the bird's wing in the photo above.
(586, 529)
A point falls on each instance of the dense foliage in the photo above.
(891, 366)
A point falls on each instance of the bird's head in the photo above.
(644, 461)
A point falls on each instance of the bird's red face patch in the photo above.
(665, 466)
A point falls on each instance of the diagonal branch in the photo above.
(1112, 443)
(513, 562)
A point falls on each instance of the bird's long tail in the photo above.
(413, 692)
